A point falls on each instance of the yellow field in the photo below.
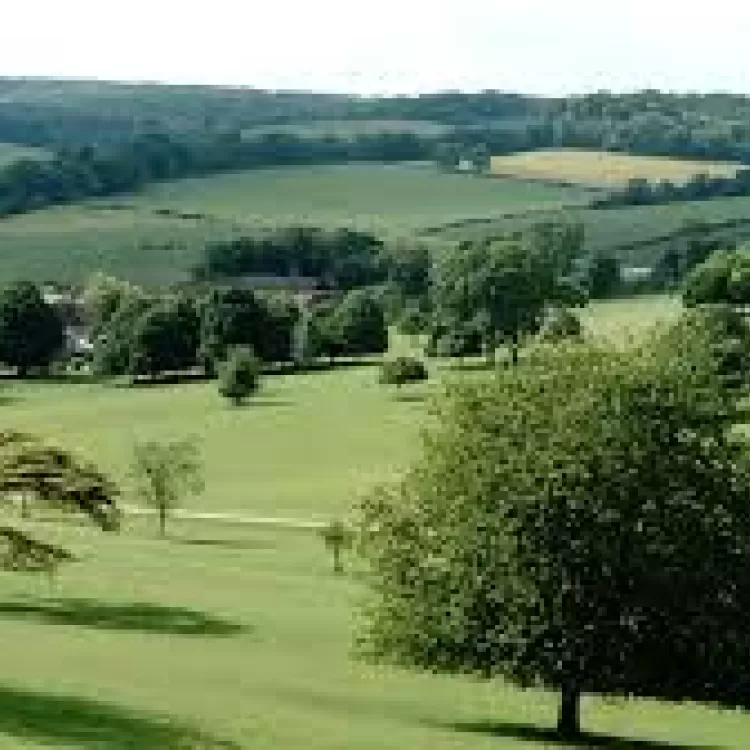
(600, 168)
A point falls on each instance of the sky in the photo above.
(548, 47)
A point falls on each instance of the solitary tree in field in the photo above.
(578, 522)
(164, 473)
(240, 375)
(31, 332)
(337, 537)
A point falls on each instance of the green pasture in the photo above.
(238, 637)
(350, 128)
(614, 228)
(134, 238)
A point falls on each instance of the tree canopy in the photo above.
(578, 522)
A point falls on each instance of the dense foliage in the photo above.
(577, 522)
(31, 332)
(239, 376)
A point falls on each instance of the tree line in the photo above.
(102, 170)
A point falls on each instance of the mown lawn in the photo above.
(242, 637)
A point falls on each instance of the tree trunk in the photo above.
(569, 719)
(514, 346)
(162, 520)
(24, 506)
(337, 566)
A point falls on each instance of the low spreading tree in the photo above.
(52, 478)
(240, 375)
(723, 278)
(164, 473)
(31, 332)
(578, 522)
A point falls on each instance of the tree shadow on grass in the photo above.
(67, 721)
(230, 544)
(135, 616)
(550, 738)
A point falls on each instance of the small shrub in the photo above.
(560, 325)
(240, 375)
(402, 370)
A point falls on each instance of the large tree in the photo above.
(31, 332)
(230, 318)
(166, 338)
(579, 523)
(723, 278)
(500, 290)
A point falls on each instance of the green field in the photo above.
(67, 244)
(618, 228)
(350, 128)
(10, 152)
(239, 637)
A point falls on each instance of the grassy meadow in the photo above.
(238, 637)
(143, 239)
(604, 169)
(10, 152)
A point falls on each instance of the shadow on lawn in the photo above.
(148, 618)
(67, 721)
(549, 738)
(230, 544)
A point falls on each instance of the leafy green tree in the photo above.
(31, 332)
(448, 156)
(166, 338)
(561, 323)
(359, 324)
(604, 276)
(114, 343)
(499, 290)
(231, 317)
(240, 375)
(402, 370)
(481, 159)
(723, 278)
(164, 473)
(578, 522)
(56, 479)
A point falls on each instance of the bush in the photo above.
(561, 324)
(402, 370)
(240, 375)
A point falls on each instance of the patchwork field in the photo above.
(603, 169)
(142, 237)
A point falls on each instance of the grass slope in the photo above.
(238, 638)
(619, 229)
(10, 152)
(601, 168)
(69, 243)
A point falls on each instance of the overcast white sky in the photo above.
(386, 46)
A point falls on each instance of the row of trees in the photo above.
(641, 192)
(102, 170)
